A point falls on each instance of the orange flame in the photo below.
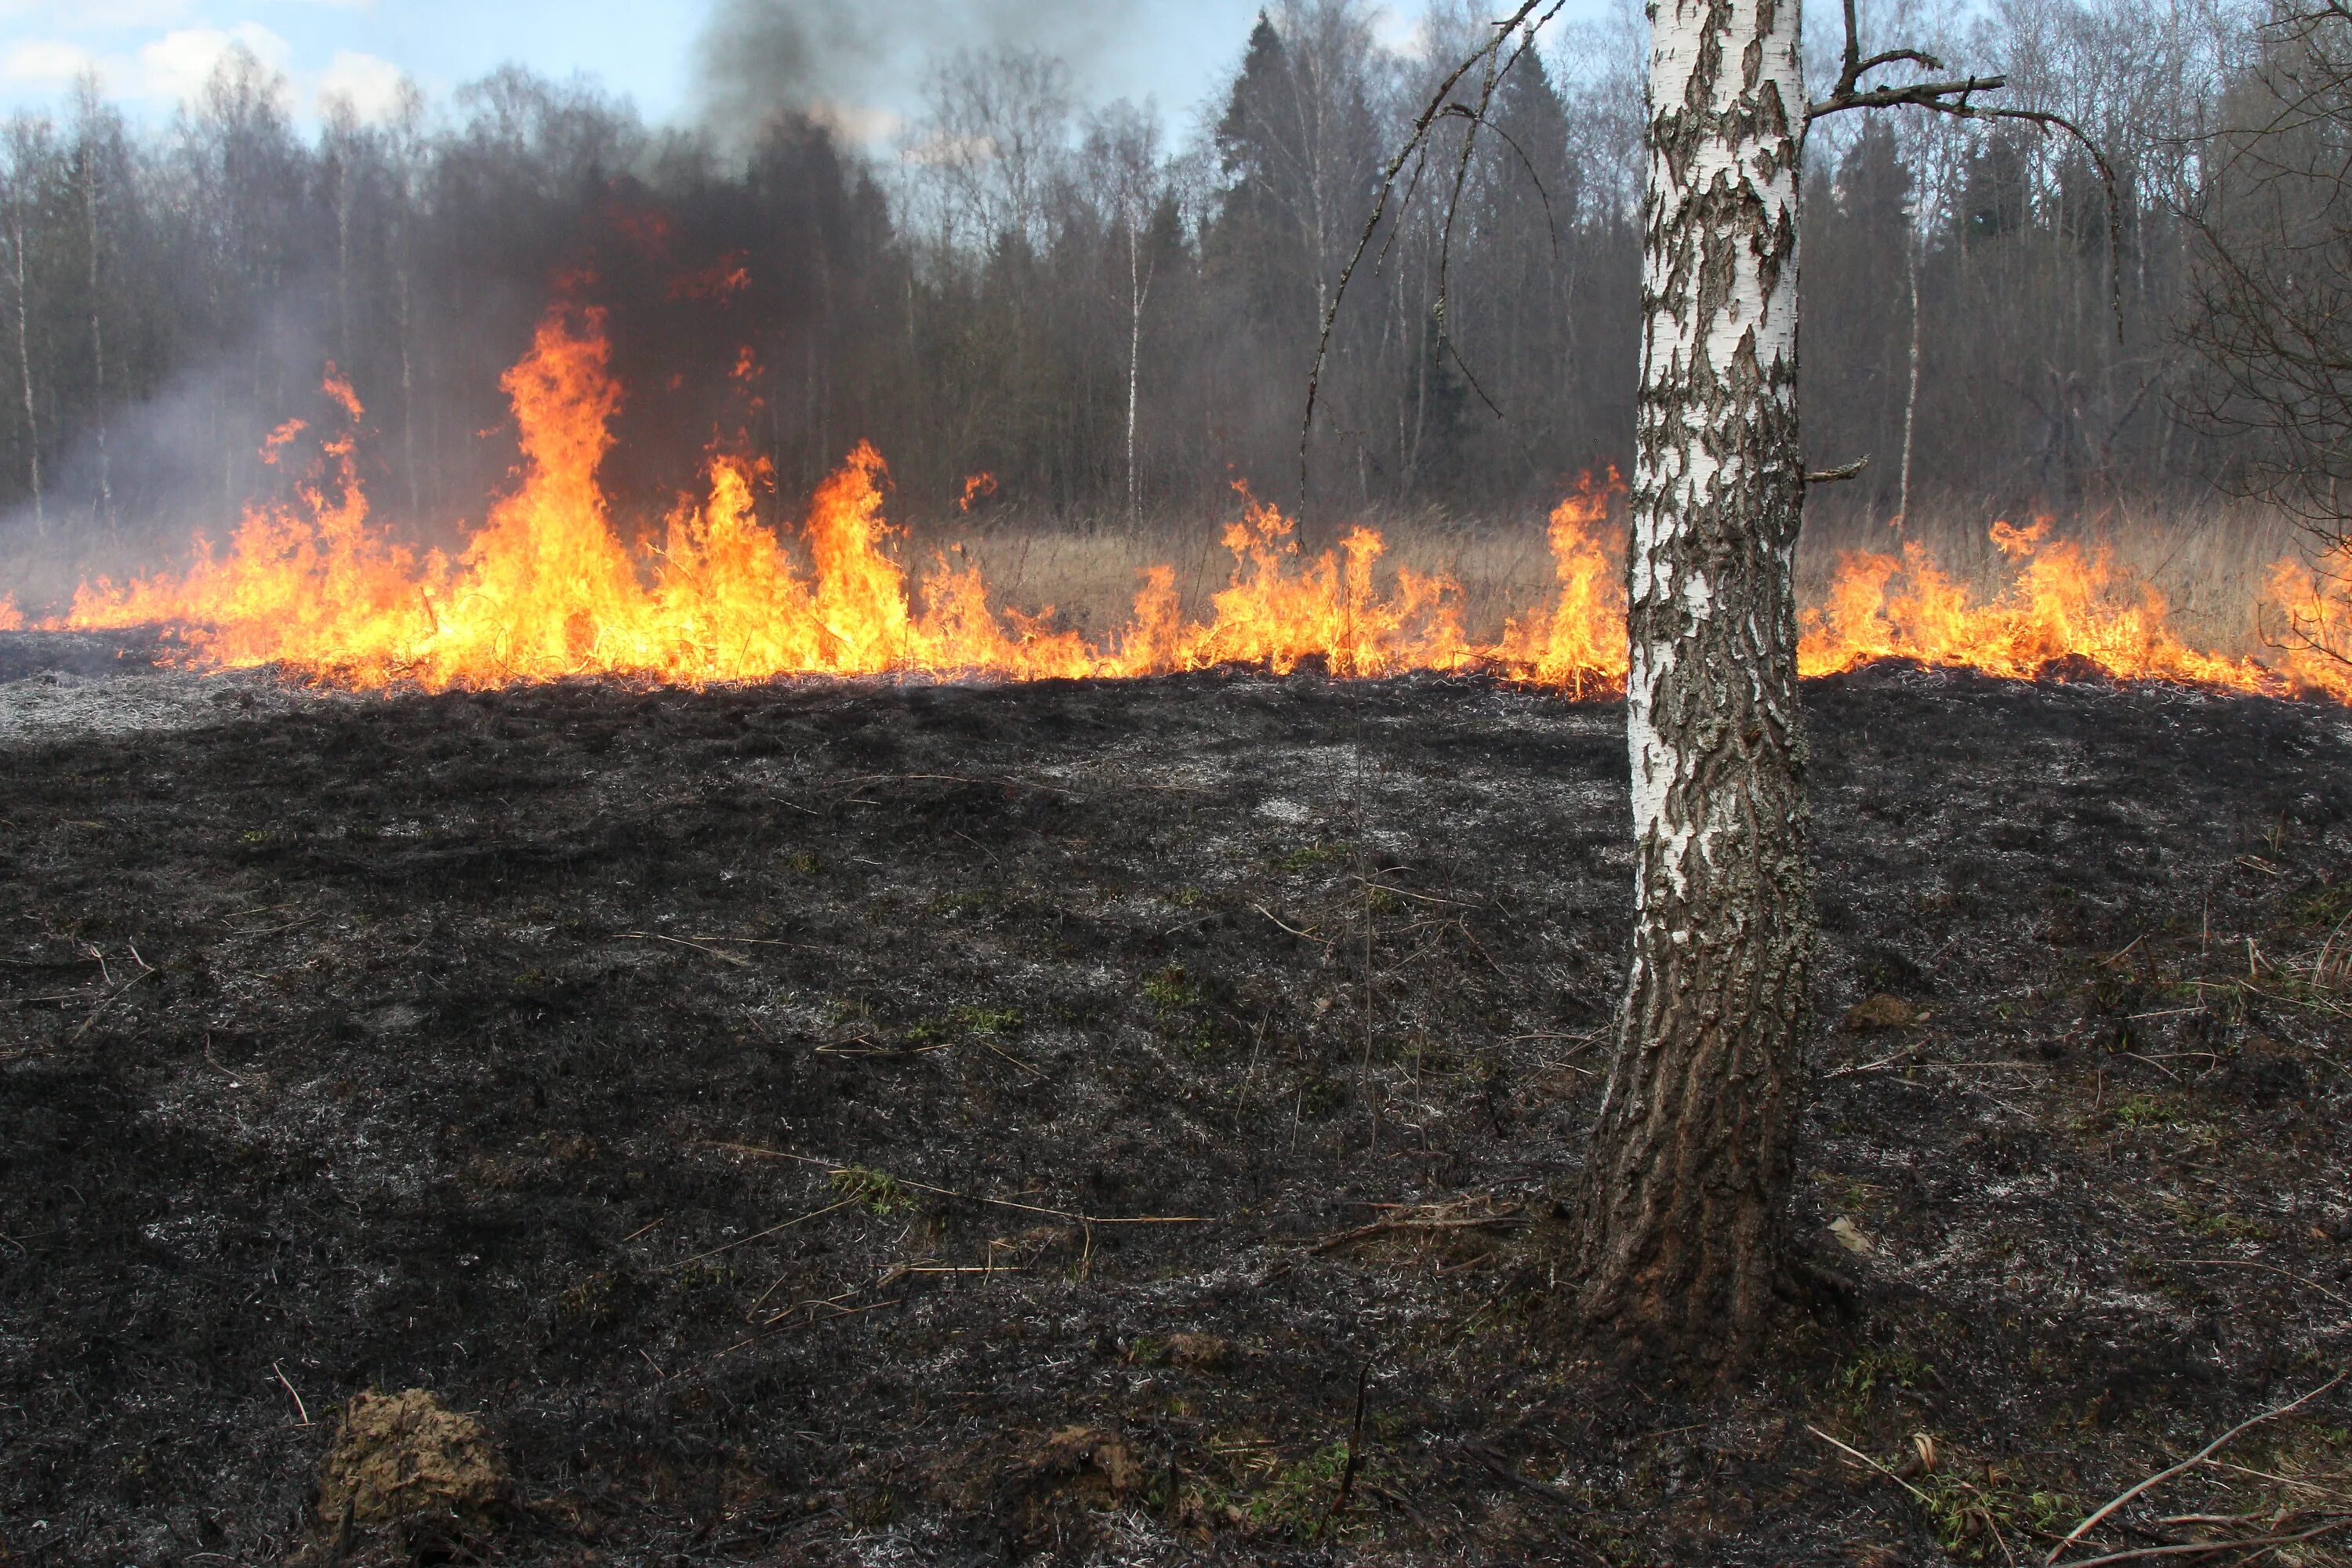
(974, 488)
(2068, 605)
(720, 282)
(1583, 644)
(547, 589)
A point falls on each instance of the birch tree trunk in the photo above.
(90, 154)
(1685, 1214)
(24, 344)
(1911, 245)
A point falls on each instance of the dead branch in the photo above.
(1087, 1219)
(1857, 1454)
(1957, 97)
(1506, 28)
(2209, 1548)
(2190, 1463)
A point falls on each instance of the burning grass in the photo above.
(547, 588)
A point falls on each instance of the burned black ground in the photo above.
(705, 1090)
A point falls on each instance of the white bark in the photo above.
(1686, 1210)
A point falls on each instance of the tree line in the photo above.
(1111, 318)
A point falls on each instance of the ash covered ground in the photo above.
(731, 1100)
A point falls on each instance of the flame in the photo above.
(2068, 605)
(12, 619)
(717, 283)
(976, 487)
(1583, 643)
(547, 588)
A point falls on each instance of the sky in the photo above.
(152, 53)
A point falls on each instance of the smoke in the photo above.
(856, 65)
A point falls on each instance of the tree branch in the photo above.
(1956, 97)
(1506, 28)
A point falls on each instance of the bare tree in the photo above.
(28, 154)
(1123, 148)
(2273, 284)
(97, 134)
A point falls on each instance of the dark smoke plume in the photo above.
(849, 61)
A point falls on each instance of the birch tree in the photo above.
(28, 150)
(1687, 1195)
(1685, 1213)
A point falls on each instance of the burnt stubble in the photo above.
(727, 1097)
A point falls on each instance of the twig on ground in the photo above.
(145, 969)
(1364, 1232)
(2208, 1548)
(969, 1198)
(300, 1408)
(684, 942)
(1874, 1464)
(1302, 935)
(2267, 1269)
(2190, 1463)
(745, 1241)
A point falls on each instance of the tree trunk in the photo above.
(1135, 287)
(1912, 246)
(25, 355)
(97, 335)
(1685, 1215)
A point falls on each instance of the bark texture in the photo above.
(1685, 1213)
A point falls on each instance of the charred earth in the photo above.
(1123, 1121)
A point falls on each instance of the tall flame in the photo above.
(547, 588)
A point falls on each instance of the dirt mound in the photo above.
(402, 1456)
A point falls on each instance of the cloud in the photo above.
(45, 62)
(175, 66)
(95, 16)
(371, 84)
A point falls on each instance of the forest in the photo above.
(1112, 309)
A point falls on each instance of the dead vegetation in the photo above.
(1127, 1123)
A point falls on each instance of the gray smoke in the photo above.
(853, 61)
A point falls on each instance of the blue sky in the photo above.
(150, 54)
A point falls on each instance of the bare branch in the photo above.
(1956, 97)
(1508, 27)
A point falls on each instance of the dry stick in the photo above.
(1303, 935)
(682, 941)
(1364, 1231)
(970, 1197)
(2190, 1463)
(2267, 1269)
(2296, 1481)
(99, 1011)
(771, 1230)
(300, 1408)
(1874, 1464)
(2207, 1548)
